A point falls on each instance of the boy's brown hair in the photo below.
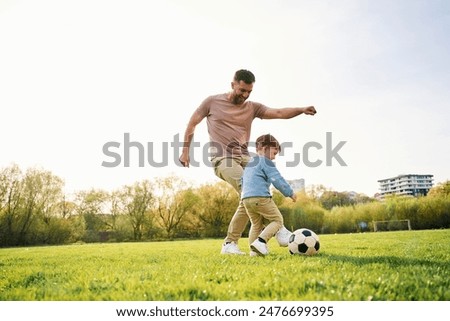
(267, 140)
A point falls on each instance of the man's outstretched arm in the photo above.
(289, 112)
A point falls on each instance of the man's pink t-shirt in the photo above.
(229, 125)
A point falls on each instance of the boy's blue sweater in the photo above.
(258, 175)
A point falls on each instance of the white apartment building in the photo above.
(297, 184)
(407, 184)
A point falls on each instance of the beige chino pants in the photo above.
(231, 170)
(258, 209)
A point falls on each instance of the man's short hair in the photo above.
(245, 75)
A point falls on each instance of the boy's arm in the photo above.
(277, 180)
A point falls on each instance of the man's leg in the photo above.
(230, 170)
(237, 224)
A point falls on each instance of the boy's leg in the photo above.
(257, 247)
(251, 205)
(269, 210)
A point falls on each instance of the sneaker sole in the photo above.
(257, 251)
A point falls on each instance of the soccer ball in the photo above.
(304, 242)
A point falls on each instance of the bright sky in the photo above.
(75, 75)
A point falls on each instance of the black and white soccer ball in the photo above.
(304, 242)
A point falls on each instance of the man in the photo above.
(229, 118)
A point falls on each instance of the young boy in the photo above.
(258, 175)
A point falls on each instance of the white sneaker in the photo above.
(231, 248)
(259, 247)
(283, 236)
(253, 253)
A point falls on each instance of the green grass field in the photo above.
(406, 265)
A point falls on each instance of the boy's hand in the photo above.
(294, 197)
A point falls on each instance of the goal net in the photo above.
(393, 225)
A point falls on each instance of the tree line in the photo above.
(35, 210)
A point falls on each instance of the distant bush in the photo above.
(423, 213)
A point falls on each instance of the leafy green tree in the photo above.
(189, 225)
(10, 204)
(43, 192)
(91, 201)
(137, 200)
(172, 204)
(330, 199)
(92, 206)
(28, 205)
(116, 209)
(441, 189)
(66, 209)
(218, 203)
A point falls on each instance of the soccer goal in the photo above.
(393, 225)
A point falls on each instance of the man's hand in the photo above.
(294, 197)
(184, 159)
(309, 110)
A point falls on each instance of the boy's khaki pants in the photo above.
(260, 208)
